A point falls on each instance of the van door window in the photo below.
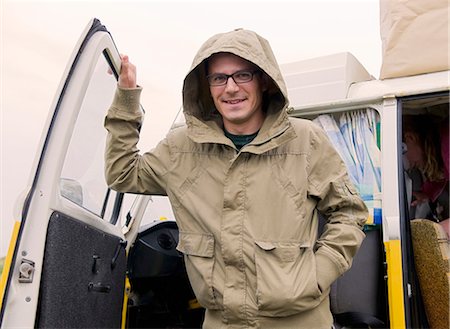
(82, 179)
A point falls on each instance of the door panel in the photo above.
(83, 276)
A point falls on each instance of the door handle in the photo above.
(99, 287)
(122, 244)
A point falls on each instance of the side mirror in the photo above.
(71, 190)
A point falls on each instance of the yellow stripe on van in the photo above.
(125, 302)
(395, 284)
(8, 260)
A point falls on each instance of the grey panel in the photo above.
(83, 277)
(358, 296)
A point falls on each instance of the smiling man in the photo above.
(246, 184)
(239, 99)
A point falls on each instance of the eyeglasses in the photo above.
(221, 79)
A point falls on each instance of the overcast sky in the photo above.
(161, 38)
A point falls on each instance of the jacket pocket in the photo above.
(286, 281)
(198, 250)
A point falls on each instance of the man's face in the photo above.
(239, 104)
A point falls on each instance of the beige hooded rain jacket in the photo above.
(248, 219)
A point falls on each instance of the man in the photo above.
(246, 184)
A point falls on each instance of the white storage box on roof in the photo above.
(322, 79)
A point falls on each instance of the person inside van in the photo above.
(246, 184)
(427, 153)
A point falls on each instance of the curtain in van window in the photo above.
(356, 139)
(334, 133)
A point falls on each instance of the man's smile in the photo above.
(234, 101)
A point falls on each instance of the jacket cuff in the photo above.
(127, 99)
(327, 271)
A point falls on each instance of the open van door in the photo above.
(68, 263)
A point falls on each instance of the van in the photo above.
(83, 255)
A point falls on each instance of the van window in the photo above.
(82, 179)
(356, 137)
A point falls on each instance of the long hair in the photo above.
(426, 134)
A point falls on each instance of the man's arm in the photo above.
(125, 169)
(340, 203)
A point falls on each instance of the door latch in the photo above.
(26, 271)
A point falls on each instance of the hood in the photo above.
(198, 105)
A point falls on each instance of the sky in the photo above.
(161, 39)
